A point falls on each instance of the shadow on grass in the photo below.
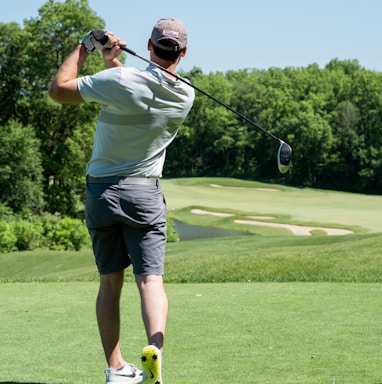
(20, 382)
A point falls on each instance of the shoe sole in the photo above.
(152, 365)
(126, 381)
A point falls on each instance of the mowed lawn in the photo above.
(299, 205)
(291, 333)
(270, 307)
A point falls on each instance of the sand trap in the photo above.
(298, 230)
(258, 189)
(218, 214)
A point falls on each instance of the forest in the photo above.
(331, 116)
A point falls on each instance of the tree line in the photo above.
(331, 116)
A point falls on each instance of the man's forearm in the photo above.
(64, 85)
(71, 67)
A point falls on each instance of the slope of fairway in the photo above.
(300, 205)
(354, 258)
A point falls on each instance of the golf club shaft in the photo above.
(203, 92)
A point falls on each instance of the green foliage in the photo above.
(29, 58)
(69, 235)
(7, 237)
(331, 116)
(29, 234)
(20, 168)
(66, 131)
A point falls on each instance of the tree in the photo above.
(11, 71)
(332, 117)
(31, 56)
(20, 169)
(213, 125)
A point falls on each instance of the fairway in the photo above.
(301, 206)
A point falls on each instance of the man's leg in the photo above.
(108, 317)
(154, 306)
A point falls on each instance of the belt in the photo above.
(123, 180)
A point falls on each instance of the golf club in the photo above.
(284, 153)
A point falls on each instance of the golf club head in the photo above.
(284, 157)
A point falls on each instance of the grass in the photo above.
(264, 308)
(309, 206)
(289, 333)
(354, 258)
(249, 259)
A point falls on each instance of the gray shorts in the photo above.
(127, 224)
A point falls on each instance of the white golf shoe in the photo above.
(128, 374)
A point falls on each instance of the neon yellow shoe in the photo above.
(152, 365)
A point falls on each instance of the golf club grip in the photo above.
(128, 50)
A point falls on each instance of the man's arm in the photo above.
(64, 87)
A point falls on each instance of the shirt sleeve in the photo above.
(98, 87)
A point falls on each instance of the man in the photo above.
(125, 208)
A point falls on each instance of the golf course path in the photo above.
(298, 230)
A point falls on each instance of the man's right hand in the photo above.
(112, 50)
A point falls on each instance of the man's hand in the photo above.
(112, 50)
(95, 39)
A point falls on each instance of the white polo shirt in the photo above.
(141, 113)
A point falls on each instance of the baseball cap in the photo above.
(169, 29)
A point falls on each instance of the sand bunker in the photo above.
(298, 230)
(258, 189)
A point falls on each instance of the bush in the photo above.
(7, 237)
(29, 234)
(69, 235)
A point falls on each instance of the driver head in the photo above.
(284, 157)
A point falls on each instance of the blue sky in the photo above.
(239, 34)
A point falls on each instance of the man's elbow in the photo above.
(53, 92)
(64, 94)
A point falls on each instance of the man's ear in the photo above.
(149, 45)
(184, 51)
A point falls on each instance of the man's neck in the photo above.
(171, 67)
